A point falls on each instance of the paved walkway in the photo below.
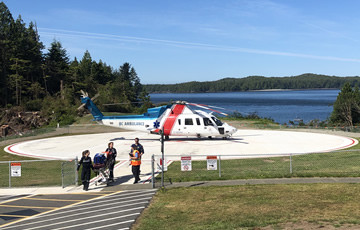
(86, 210)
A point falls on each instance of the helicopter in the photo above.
(177, 119)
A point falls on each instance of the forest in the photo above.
(33, 78)
(304, 81)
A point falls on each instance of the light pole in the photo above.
(162, 157)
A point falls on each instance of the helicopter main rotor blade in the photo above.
(206, 107)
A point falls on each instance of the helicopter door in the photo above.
(208, 126)
(189, 126)
(179, 126)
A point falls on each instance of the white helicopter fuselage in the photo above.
(178, 120)
(129, 123)
(174, 120)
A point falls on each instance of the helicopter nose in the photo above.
(234, 130)
(231, 130)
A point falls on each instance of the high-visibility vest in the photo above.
(137, 161)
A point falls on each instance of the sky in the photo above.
(204, 40)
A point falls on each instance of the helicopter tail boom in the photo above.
(89, 104)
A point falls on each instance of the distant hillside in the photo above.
(304, 81)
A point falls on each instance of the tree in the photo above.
(346, 107)
(57, 66)
(6, 23)
(17, 80)
(86, 74)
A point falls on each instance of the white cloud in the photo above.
(182, 44)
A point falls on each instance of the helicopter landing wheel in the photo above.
(210, 137)
(167, 137)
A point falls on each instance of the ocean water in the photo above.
(281, 106)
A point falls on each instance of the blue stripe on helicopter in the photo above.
(137, 117)
(151, 114)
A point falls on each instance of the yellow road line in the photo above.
(19, 206)
(59, 208)
(33, 198)
(81, 193)
(13, 215)
(7, 201)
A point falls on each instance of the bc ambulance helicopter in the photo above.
(177, 119)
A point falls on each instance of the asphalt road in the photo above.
(100, 210)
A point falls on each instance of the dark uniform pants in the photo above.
(85, 177)
(111, 169)
(136, 172)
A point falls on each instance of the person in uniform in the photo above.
(135, 158)
(137, 146)
(111, 156)
(86, 169)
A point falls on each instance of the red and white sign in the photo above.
(165, 164)
(15, 169)
(186, 163)
(211, 162)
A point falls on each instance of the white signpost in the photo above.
(211, 162)
(186, 163)
(16, 169)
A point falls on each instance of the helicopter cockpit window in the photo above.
(217, 121)
(188, 121)
(207, 122)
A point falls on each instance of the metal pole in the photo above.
(291, 163)
(219, 166)
(153, 170)
(162, 157)
(76, 173)
(62, 174)
(9, 174)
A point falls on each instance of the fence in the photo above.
(27, 173)
(181, 168)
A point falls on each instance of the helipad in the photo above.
(244, 142)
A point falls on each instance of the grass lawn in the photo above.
(43, 173)
(334, 164)
(299, 206)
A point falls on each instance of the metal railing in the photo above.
(181, 168)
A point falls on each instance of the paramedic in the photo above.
(112, 155)
(137, 146)
(135, 163)
(86, 166)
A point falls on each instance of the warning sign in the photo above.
(186, 163)
(15, 169)
(211, 162)
(161, 163)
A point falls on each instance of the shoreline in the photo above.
(257, 90)
(276, 90)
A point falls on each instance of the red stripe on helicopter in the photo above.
(170, 120)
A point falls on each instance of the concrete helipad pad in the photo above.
(245, 143)
(248, 142)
